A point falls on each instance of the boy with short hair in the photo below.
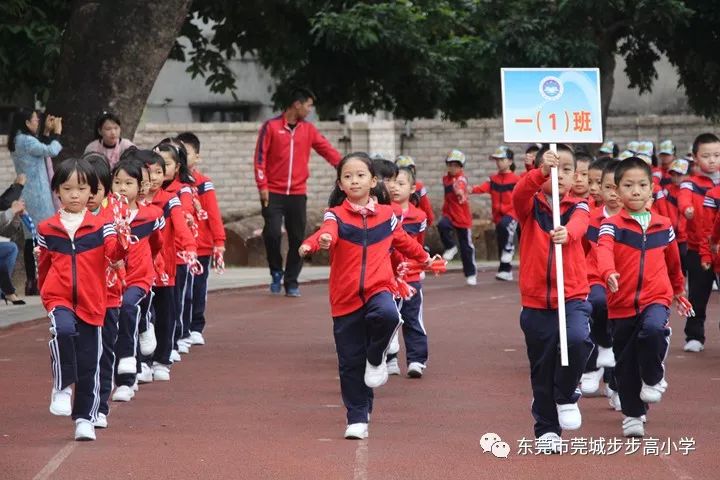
(457, 217)
(691, 200)
(581, 184)
(554, 387)
(638, 259)
(595, 173)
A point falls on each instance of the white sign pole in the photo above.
(559, 264)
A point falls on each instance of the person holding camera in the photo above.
(29, 153)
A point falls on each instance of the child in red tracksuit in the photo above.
(414, 222)
(457, 217)
(423, 203)
(677, 173)
(211, 236)
(554, 387)
(179, 181)
(500, 187)
(638, 259)
(146, 224)
(691, 198)
(601, 360)
(176, 231)
(359, 234)
(97, 205)
(73, 246)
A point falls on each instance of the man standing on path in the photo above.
(282, 158)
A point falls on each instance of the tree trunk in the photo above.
(607, 79)
(112, 53)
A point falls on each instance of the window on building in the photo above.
(217, 113)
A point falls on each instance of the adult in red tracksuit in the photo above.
(71, 275)
(282, 158)
(500, 187)
(414, 223)
(211, 238)
(365, 316)
(554, 387)
(648, 264)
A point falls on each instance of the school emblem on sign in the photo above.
(551, 88)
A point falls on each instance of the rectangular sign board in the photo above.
(551, 105)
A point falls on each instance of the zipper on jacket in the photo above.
(74, 276)
(292, 154)
(548, 276)
(640, 275)
(364, 260)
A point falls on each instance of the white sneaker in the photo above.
(605, 358)
(101, 421)
(147, 340)
(653, 393)
(84, 430)
(160, 372)
(549, 443)
(356, 431)
(136, 386)
(61, 402)
(394, 346)
(123, 393)
(614, 401)
(183, 347)
(376, 376)
(175, 356)
(127, 365)
(633, 427)
(415, 370)
(471, 280)
(506, 257)
(196, 338)
(504, 276)
(145, 375)
(393, 367)
(590, 383)
(569, 416)
(608, 391)
(694, 346)
(450, 253)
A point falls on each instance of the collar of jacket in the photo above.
(654, 220)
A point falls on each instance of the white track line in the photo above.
(56, 461)
(675, 469)
(361, 461)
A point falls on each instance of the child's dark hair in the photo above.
(147, 158)
(179, 155)
(561, 147)
(85, 174)
(609, 169)
(415, 196)
(189, 138)
(702, 139)
(384, 168)
(601, 163)
(102, 169)
(101, 119)
(583, 156)
(629, 164)
(300, 94)
(132, 166)
(337, 196)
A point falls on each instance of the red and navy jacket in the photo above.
(282, 155)
(424, 203)
(661, 176)
(500, 187)
(114, 293)
(211, 231)
(176, 231)
(414, 222)
(672, 211)
(147, 226)
(538, 285)
(711, 206)
(71, 272)
(185, 195)
(648, 263)
(457, 204)
(692, 194)
(590, 242)
(359, 254)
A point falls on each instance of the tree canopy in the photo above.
(413, 58)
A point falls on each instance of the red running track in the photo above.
(261, 401)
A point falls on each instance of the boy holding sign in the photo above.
(554, 387)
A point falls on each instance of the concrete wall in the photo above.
(227, 150)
